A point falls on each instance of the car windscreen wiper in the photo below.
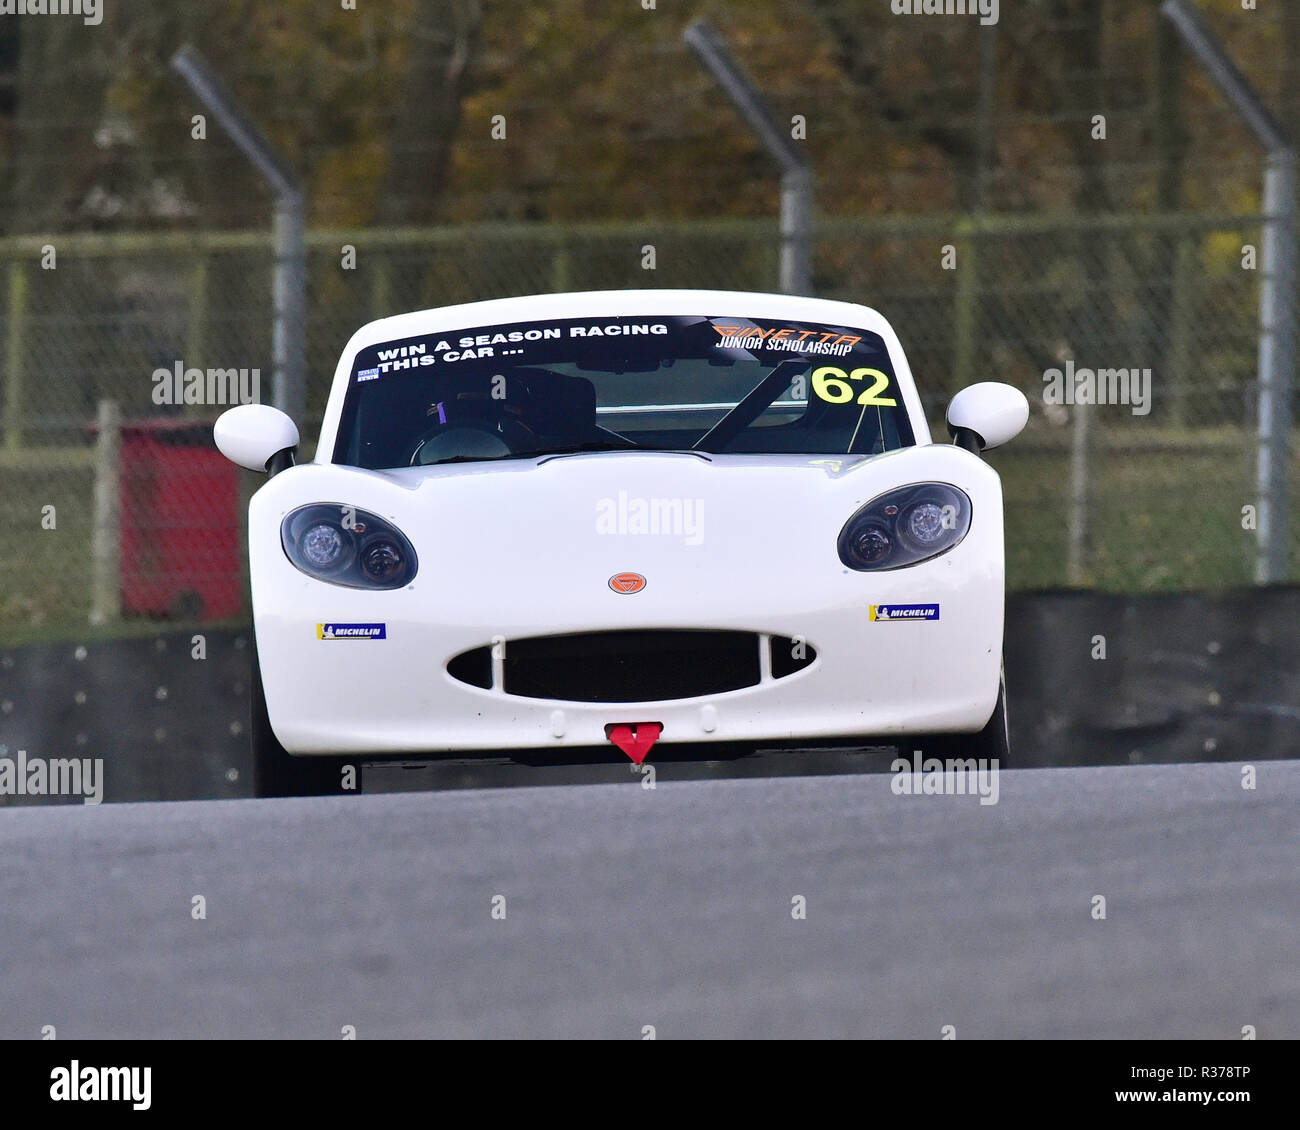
(462, 459)
(563, 449)
(571, 448)
(759, 398)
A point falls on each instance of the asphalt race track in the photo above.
(628, 907)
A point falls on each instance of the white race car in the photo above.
(547, 525)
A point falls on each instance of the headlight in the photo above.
(322, 546)
(346, 546)
(905, 526)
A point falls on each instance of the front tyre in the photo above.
(992, 742)
(276, 772)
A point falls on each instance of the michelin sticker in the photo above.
(351, 631)
(904, 612)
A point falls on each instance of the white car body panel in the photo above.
(512, 550)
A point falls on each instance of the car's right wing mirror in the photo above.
(987, 415)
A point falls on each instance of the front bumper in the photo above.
(870, 678)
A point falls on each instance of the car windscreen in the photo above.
(711, 384)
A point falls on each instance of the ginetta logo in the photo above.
(627, 583)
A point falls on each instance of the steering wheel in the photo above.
(469, 435)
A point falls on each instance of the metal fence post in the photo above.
(289, 285)
(15, 348)
(1277, 288)
(1077, 522)
(289, 347)
(965, 303)
(796, 231)
(796, 173)
(561, 261)
(1182, 328)
(105, 585)
(1276, 363)
(196, 339)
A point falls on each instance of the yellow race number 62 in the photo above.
(832, 385)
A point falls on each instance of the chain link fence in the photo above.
(1151, 494)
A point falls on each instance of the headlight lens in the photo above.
(382, 561)
(924, 523)
(322, 546)
(346, 546)
(905, 527)
(871, 545)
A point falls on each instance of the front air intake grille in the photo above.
(473, 667)
(640, 666)
(648, 666)
(790, 655)
(636, 666)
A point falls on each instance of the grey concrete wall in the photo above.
(167, 726)
(1187, 677)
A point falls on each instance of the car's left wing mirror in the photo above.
(257, 436)
(987, 415)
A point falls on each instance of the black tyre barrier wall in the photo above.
(1092, 679)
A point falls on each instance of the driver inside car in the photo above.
(468, 426)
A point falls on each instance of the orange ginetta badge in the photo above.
(627, 582)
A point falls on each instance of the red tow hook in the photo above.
(634, 738)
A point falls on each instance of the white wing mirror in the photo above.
(254, 435)
(988, 414)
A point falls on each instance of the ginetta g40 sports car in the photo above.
(537, 526)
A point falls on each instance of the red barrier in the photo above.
(179, 522)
